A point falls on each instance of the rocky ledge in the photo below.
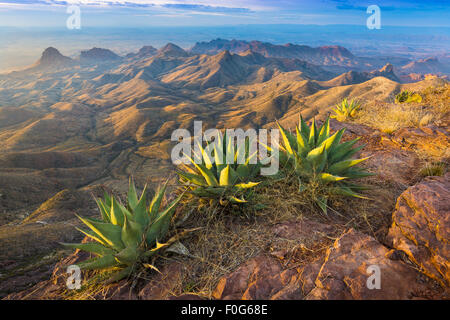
(412, 261)
(412, 265)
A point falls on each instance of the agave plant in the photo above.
(408, 97)
(346, 110)
(214, 180)
(126, 236)
(321, 159)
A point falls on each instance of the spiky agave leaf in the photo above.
(408, 97)
(346, 110)
(126, 233)
(215, 179)
(319, 157)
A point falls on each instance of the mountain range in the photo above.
(71, 122)
(335, 59)
(68, 125)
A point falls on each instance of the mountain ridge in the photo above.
(97, 122)
(322, 55)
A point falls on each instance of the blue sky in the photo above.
(140, 13)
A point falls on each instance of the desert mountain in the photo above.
(332, 58)
(98, 55)
(355, 77)
(144, 52)
(424, 66)
(225, 68)
(65, 130)
(172, 65)
(326, 55)
(51, 57)
(172, 50)
(120, 115)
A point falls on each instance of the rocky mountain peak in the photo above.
(98, 54)
(51, 57)
(388, 68)
(147, 50)
(171, 49)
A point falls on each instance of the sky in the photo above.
(141, 13)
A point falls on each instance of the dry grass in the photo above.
(231, 236)
(92, 287)
(219, 248)
(433, 168)
(229, 239)
(389, 117)
(371, 216)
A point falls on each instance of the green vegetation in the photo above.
(346, 110)
(127, 237)
(433, 169)
(214, 180)
(322, 163)
(408, 97)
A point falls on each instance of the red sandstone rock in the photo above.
(344, 274)
(421, 226)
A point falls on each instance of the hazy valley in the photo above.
(69, 125)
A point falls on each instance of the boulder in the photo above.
(390, 160)
(270, 276)
(258, 278)
(350, 268)
(421, 226)
(395, 166)
(343, 273)
(432, 140)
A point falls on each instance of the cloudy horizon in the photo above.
(139, 13)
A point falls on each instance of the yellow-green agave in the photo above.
(126, 237)
(408, 97)
(213, 179)
(316, 156)
(346, 110)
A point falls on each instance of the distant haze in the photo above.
(21, 47)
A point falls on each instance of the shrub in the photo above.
(408, 97)
(433, 169)
(346, 110)
(214, 180)
(126, 237)
(321, 162)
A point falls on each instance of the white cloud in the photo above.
(247, 4)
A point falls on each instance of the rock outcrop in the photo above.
(259, 278)
(421, 226)
(51, 57)
(347, 272)
(432, 140)
(350, 269)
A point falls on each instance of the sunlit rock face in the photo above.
(421, 226)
